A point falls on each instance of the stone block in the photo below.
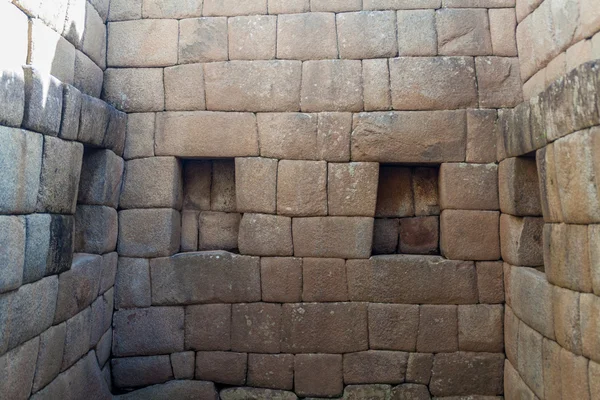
(208, 327)
(78, 287)
(101, 316)
(149, 233)
(152, 183)
(514, 385)
(490, 282)
(274, 371)
(197, 181)
(256, 327)
(132, 286)
(302, 188)
(333, 136)
(480, 328)
(17, 369)
(579, 53)
(385, 235)
(13, 242)
(419, 368)
(184, 87)
(308, 36)
(232, 8)
(43, 102)
(168, 9)
(95, 115)
(521, 240)
(324, 280)
(376, 85)
(100, 181)
(148, 331)
(101, 7)
(96, 229)
(202, 40)
(140, 136)
(205, 277)
(457, 374)
(335, 237)
(265, 235)
(189, 230)
(478, 185)
(94, 36)
(573, 376)
(438, 329)
(116, 131)
(395, 192)
(250, 393)
(470, 235)
(482, 136)
(417, 34)
(412, 391)
(549, 189)
(375, 367)
(256, 185)
(141, 371)
(400, 4)
(419, 235)
(281, 279)
(593, 239)
(355, 392)
(256, 86)
(331, 85)
(566, 310)
(503, 25)
(367, 34)
(324, 328)
(351, 189)
(425, 191)
(594, 374)
(318, 375)
(103, 348)
(252, 38)
(393, 326)
(511, 335)
(108, 271)
(464, 32)
(498, 81)
(519, 188)
(12, 98)
(88, 77)
(222, 191)
(422, 83)
(222, 367)
(15, 26)
(49, 356)
(77, 339)
(183, 364)
(291, 136)
(394, 136)
(288, 6)
(134, 89)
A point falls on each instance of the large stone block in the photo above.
(419, 280)
(252, 38)
(116, 131)
(50, 53)
(470, 235)
(419, 368)
(375, 367)
(468, 186)
(274, 371)
(352, 189)
(134, 89)
(175, 389)
(208, 327)
(302, 188)
(307, 36)
(140, 136)
(291, 136)
(333, 136)
(265, 235)
(12, 258)
(519, 187)
(49, 357)
(417, 34)
(530, 358)
(17, 369)
(93, 122)
(336, 237)
(567, 319)
(256, 184)
(438, 329)
(393, 326)
(256, 327)
(318, 375)
(149, 233)
(206, 134)
(222, 190)
(376, 85)
(218, 230)
(324, 328)
(367, 34)
(88, 77)
(108, 272)
(152, 183)
(77, 338)
(100, 181)
(169, 9)
(521, 240)
(132, 285)
(490, 282)
(419, 235)
(132, 372)
(331, 85)
(253, 85)
(503, 27)
(335, 5)
(549, 189)
(425, 191)
(202, 40)
(498, 82)
(183, 364)
(232, 8)
(463, 373)
(324, 280)
(288, 6)
(222, 367)
(480, 328)
(594, 240)
(463, 32)
(589, 305)
(43, 102)
(15, 26)
(385, 235)
(482, 136)
(281, 279)
(205, 277)
(395, 196)
(251, 393)
(12, 98)
(96, 229)
(197, 182)
(394, 136)
(184, 87)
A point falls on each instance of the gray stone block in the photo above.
(12, 255)
(20, 166)
(49, 360)
(149, 233)
(152, 182)
(71, 111)
(43, 102)
(96, 229)
(175, 390)
(101, 317)
(132, 286)
(141, 371)
(77, 340)
(88, 76)
(17, 369)
(103, 347)
(12, 97)
(59, 179)
(95, 115)
(183, 364)
(250, 393)
(100, 182)
(109, 271)
(116, 131)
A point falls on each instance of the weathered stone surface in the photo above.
(132, 286)
(206, 134)
(503, 25)
(490, 282)
(324, 280)
(148, 331)
(205, 277)
(116, 131)
(141, 371)
(498, 81)
(178, 389)
(367, 34)
(256, 184)
(13, 242)
(12, 98)
(519, 188)
(521, 240)
(463, 32)
(421, 83)
(256, 327)
(417, 34)
(88, 76)
(425, 191)
(302, 188)
(393, 326)
(308, 36)
(17, 369)
(480, 328)
(438, 329)
(373, 392)
(419, 235)
(100, 181)
(49, 357)
(418, 280)
(318, 375)
(331, 85)
(197, 181)
(167, 9)
(419, 368)
(202, 40)
(323, 328)
(514, 385)
(511, 335)
(253, 85)
(385, 235)
(274, 371)
(470, 235)
(567, 319)
(574, 379)
(183, 364)
(16, 27)
(549, 192)
(95, 115)
(394, 136)
(336, 237)
(184, 87)
(593, 238)
(333, 136)
(266, 235)
(291, 136)
(103, 348)
(101, 316)
(590, 325)
(108, 271)
(43, 102)
(288, 6)
(222, 367)
(468, 186)
(77, 339)
(250, 393)
(281, 279)
(594, 374)
(352, 189)
(222, 190)
(151, 183)
(464, 373)
(232, 8)
(96, 229)
(482, 133)
(375, 367)
(134, 89)
(400, 4)
(376, 85)
(218, 230)
(252, 38)
(140, 135)
(208, 327)
(149, 233)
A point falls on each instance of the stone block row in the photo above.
(415, 235)
(470, 235)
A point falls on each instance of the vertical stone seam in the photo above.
(337, 40)
(475, 265)
(29, 40)
(204, 83)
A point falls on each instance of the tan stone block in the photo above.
(421, 83)
(121, 10)
(222, 190)
(183, 364)
(94, 36)
(498, 81)
(394, 192)
(511, 335)
(281, 279)
(206, 134)
(333, 136)
(594, 379)
(331, 85)
(318, 375)
(288, 6)
(514, 387)
(189, 230)
(480, 328)
(302, 188)
(265, 235)
(375, 367)
(590, 325)
(140, 136)
(222, 367)
(50, 53)
(231, 8)
(530, 362)
(393, 326)
(308, 36)
(596, 45)
(134, 89)
(438, 329)
(549, 187)
(478, 3)
(535, 85)
(468, 186)
(385, 235)
(556, 68)
(470, 235)
(184, 88)
(256, 184)
(252, 38)
(417, 34)
(519, 187)
(202, 40)
(594, 244)
(463, 32)
(400, 4)
(335, 237)
(565, 306)
(521, 240)
(551, 366)
(153, 182)
(136, 43)
(291, 136)
(419, 368)
(208, 327)
(367, 34)
(218, 230)
(253, 85)
(352, 189)
(256, 327)
(170, 9)
(574, 379)
(419, 235)
(503, 25)
(324, 279)
(149, 233)
(579, 53)
(376, 85)
(490, 282)
(274, 371)
(481, 136)
(197, 180)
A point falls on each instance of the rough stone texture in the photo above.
(521, 240)
(151, 183)
(141, 371)
(140, 135)
(232, 7)
(352, 189)
(336, 237)
(17, 369)
(96, 229)
(464, 373)
(302, 188)
(95, 115)
(250, 393)
(419, 235)
(132, 286)
(184, 87)
(208, 327)
(400, 4)
(265, 235)
(367, 34)
(222, 191)
(374, 392)
(498, 81)
(12, 97)
(189, 230)
(183, 364)
(101, 316)
(77, 339)
(393, 326)
(103, 349)
(49, 357)
(222, 367)
(205, 277)
(333, 136)
(134, 89)
(149, 233)
(574, 379)
(425, 191)
(417, 34)
(503, 25)
(590, 325)
(256, 184)
(116, 131)
(252, 38)
(593, 237)
(281, 279)
(385, 235)
(288, 6)
(13, 241)
(100, 181)
(530, 360)
(438, 329)
(376, 85)
(393, 137)
(273, 371)
(470, 235)
(218, 230)
(463, 32)
(481, 136)
(318, 375)
(331, 85)
(256, 327)
(202, 40)
(490, 282)
(468, 186)
(480, 328)
(43, 102)
(375, 367)
(549, 193)
(324, 280)
(167, 9)
(421, 83)
(197, 181)
(308, 36)
(291, 136)
(323, 328)
(94, 36)
(519, 188)
(419, 368)
(566, 310)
